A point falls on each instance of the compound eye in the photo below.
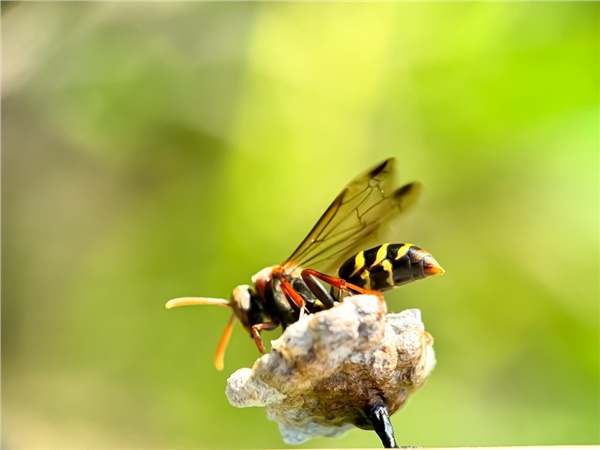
(242, 304)
(241, 296)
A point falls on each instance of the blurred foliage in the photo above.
(152, 150)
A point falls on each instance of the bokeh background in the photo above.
(153, 150)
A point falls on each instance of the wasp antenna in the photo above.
(220, 354)
(189, 301)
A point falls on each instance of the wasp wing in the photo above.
(354, 217)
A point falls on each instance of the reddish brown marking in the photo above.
(261, 284)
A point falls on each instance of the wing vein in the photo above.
(353, 218)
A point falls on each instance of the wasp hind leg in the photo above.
(317, 289)
(311, 276)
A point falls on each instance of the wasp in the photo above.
(281, 295)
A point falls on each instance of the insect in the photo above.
(281, 295)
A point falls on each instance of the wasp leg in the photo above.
(317, 289)
(383, 427)
(339, 283)
(257, 328)
(293, 295)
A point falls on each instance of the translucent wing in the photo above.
(356, 214)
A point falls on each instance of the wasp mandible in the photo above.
(281, 295)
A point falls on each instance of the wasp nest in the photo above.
(351, 365)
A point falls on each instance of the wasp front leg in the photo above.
(257, 328)
(294, 296)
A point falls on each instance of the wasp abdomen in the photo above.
(387, 266)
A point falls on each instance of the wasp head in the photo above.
(245, 303)
(246, 306)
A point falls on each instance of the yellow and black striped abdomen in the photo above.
(387, 266)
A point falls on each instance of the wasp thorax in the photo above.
(262, 278)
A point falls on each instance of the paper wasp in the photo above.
(281, 294)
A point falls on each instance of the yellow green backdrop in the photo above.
(153, 150)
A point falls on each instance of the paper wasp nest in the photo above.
(328, 370)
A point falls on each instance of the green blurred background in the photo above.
(156, 150)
